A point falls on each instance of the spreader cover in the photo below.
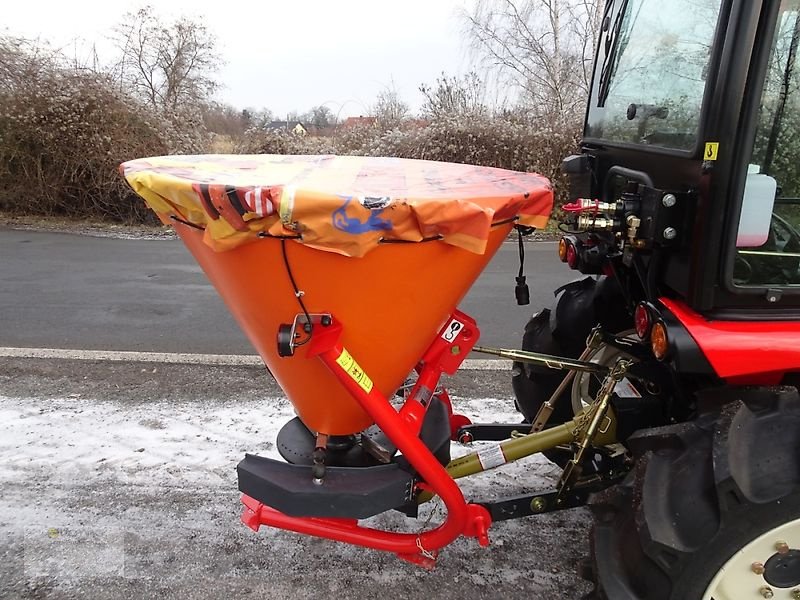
(387, 246)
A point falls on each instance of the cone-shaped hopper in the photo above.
(387, 246)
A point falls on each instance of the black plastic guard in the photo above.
(346, 492)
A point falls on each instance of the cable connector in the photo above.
(522, 292)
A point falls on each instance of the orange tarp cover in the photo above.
(343, 204)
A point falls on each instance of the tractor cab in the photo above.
(689, 160)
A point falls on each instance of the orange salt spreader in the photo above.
(345, 274)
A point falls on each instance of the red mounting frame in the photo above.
(445, 354)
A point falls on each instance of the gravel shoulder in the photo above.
(117, 480)
(85, 227)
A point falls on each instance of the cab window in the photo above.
(651, 72)
(768, 238)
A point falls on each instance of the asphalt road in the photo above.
(90, 293)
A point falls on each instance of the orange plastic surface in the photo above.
(392, 303)
(341, 204)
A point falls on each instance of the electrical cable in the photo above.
(298, 293)
(264, 234)
(521, 291)
(185, 222)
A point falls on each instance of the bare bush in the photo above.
(264, 141)
(63, 134)
(389, 108)
(509, 142)
(454, 96)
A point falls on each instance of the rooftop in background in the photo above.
(360, 121)
(293, 126)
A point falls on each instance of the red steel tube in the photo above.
(388, 419)
(472, 520)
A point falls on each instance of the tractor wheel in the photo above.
(533, 385)
(562, 331)
(711, 509)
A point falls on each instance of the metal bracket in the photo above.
(595, 415)
(288, 334)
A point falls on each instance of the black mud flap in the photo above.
(346, 492)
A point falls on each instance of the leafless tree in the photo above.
(454, 96)
(545, 48)
(389, 108)
(168, 65)
(320, 116)
(257, 118)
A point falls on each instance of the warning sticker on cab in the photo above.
(349, 364)
(712, 151)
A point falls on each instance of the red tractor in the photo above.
(686, 209)
(665, 382)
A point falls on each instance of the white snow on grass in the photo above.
(86, 482)
(155, 442)
(195, 443)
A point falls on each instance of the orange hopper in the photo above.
(387, 246)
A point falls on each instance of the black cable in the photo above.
(521, 291)
(439, 237)
(185, 222)
(297, 293)
(505, 221)
(394, 241)
(264, 234)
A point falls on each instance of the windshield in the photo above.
(651, 72)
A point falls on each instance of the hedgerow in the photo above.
(508, 142)
(64, 132)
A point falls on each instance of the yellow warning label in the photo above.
(349, 364)
(712, 151)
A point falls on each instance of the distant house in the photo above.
(295, 127)
(360, 122)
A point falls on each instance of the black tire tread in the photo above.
(697, 489)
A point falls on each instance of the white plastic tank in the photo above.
(759, 200)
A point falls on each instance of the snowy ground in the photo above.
(118, 480)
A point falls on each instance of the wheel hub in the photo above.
(766, 567)
(783, 570)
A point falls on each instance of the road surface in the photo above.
(71, 291)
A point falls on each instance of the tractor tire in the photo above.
(708, 506)
(562, 330)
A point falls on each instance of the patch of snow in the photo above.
(163, 443)
(151, 443)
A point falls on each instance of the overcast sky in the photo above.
(286, 55)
